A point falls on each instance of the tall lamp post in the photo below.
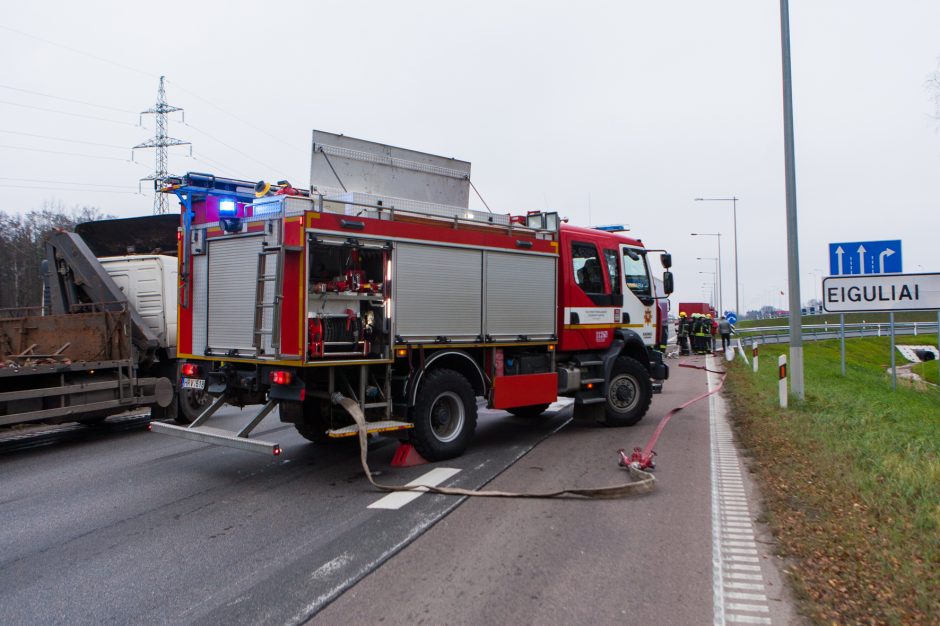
(714, 286)
(734, 215)
(717, 272)
(793, 246)
(720, 288)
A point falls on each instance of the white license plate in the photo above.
(194, 383)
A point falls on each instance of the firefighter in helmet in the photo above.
(683, 327)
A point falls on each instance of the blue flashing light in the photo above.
(613, 228)
(227, 208)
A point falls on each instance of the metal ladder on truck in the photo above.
(262, 306)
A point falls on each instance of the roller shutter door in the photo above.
(520, 295)
(233, 269)
(439, 292)
(200, 293)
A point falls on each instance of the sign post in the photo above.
(894, 369)
(842, 339)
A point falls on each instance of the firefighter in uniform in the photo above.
(682, 333)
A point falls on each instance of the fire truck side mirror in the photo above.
(667, 283)
(666, 260)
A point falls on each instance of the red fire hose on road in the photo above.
(642, 459)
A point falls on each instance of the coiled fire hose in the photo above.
(642, 481)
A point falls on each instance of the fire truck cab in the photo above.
(414, 307)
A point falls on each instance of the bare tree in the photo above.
(22, 249)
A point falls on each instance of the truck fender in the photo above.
(626, 342)
(456, 360)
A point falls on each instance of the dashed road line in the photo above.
(399, 499)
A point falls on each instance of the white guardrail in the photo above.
(815, 332)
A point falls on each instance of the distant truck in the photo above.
(697, 307)
(105, 341)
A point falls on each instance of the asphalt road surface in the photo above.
(135, 527)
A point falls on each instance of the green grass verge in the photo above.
(851, 479)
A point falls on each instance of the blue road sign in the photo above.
(731, 317)
(865, 257)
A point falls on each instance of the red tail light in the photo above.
(281, 377)
(190, 370)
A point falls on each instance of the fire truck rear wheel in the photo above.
(444, 415)
(528, 412)
(192, 402)
(629, 393)
(308, 419)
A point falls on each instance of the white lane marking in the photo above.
(751, 608)
(745, 568)
(740, 595)
(399, 499)
(751, 586)
(734, 551)
(742, 559)
(748, 619)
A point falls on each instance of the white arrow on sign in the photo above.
(861, 259)
(839, 253)
(881, 258)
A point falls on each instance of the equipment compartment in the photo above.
(347, 304)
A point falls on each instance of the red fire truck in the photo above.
(414, 308)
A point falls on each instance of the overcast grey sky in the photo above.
(608, 112)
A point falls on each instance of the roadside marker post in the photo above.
(754, 355)
(782, 368)
(894, 369)
(842, 339)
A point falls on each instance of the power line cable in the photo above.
(88, 143)
(65, 182)
(89, 156)
(231, 147)
(90, 117)
(48, 95)
(132, 193)
(77, 51)
(233, 116)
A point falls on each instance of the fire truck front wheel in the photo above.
(444, 415)
(629, 393)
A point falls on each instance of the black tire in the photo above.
(191, 403)
(528, 412)
(308, 418)
(629, 393)
(444, 415)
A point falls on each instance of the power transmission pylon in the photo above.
(160, 143)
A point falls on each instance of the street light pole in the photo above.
(720, 288)
(793, 246)
(717, 273)
(714, 284)
(734, 215)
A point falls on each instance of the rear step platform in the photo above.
(383, 426)
(206, 434)
(217, 436)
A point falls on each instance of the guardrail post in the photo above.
(782, 385)
(754, 355)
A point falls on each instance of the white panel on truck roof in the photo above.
(340, 164)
